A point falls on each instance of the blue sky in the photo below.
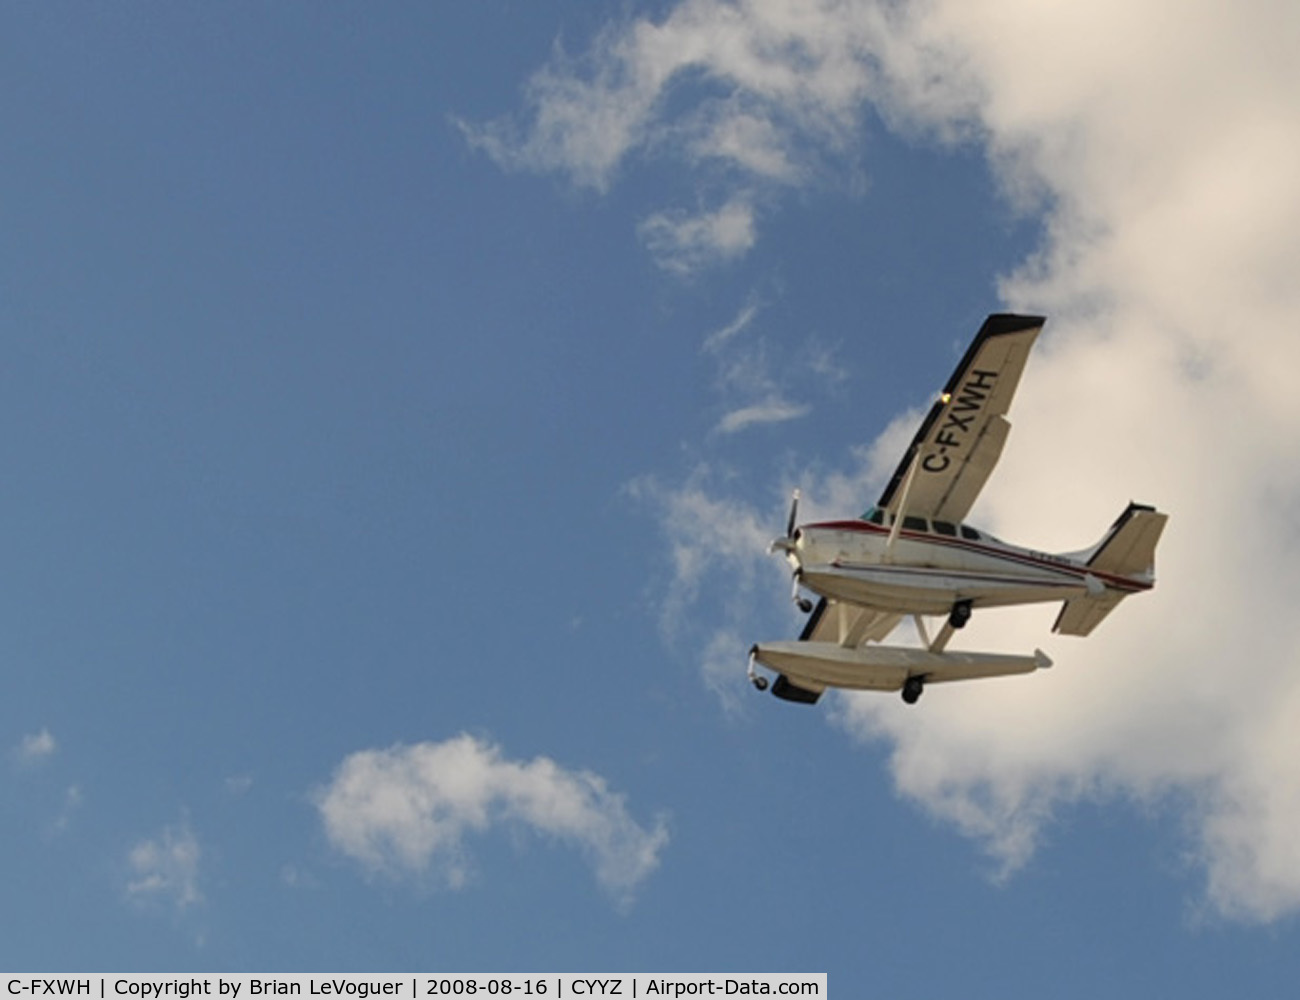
(399, 400)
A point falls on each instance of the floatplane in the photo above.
(913, 554)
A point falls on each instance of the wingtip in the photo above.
(1000, 324)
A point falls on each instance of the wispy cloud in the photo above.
(747, 139)
(772, 86)
(1162, 144)
(72, 799)
(721, 579)
(720, 338)
(407, 809)
(772, 90)
(707, 530)
(35, 747)
(166, 868)
(771, 411)
(238, 784)
(752, 392)
(685, 244)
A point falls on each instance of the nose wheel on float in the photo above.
(800, 602)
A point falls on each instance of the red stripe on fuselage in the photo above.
(1021, 555)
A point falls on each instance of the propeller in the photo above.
(786, 544)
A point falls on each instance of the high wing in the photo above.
(947, 462)
(962, 436)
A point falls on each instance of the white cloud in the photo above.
(771, 411)
(685, 244)
(36, 747)
(719, 574)
(72, 799)
(167, 867)
(753, 395)
(238, 784)
(408, 809)
(1162, 142)
(749, 141)
(707, 532)
(1167, 139)
(719, 338)
(774, 87)
(294, 877)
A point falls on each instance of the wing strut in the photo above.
(937, 644)
(902, 505)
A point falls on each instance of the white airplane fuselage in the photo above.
(910, 555)
(927, 570)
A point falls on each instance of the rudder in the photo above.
(1128, 550)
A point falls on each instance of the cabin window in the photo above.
(875, 515)
(945, 528)
(916, 524)
(970, 533)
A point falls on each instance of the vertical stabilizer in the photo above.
(1127, 550)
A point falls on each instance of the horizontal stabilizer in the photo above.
(1080, 615)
